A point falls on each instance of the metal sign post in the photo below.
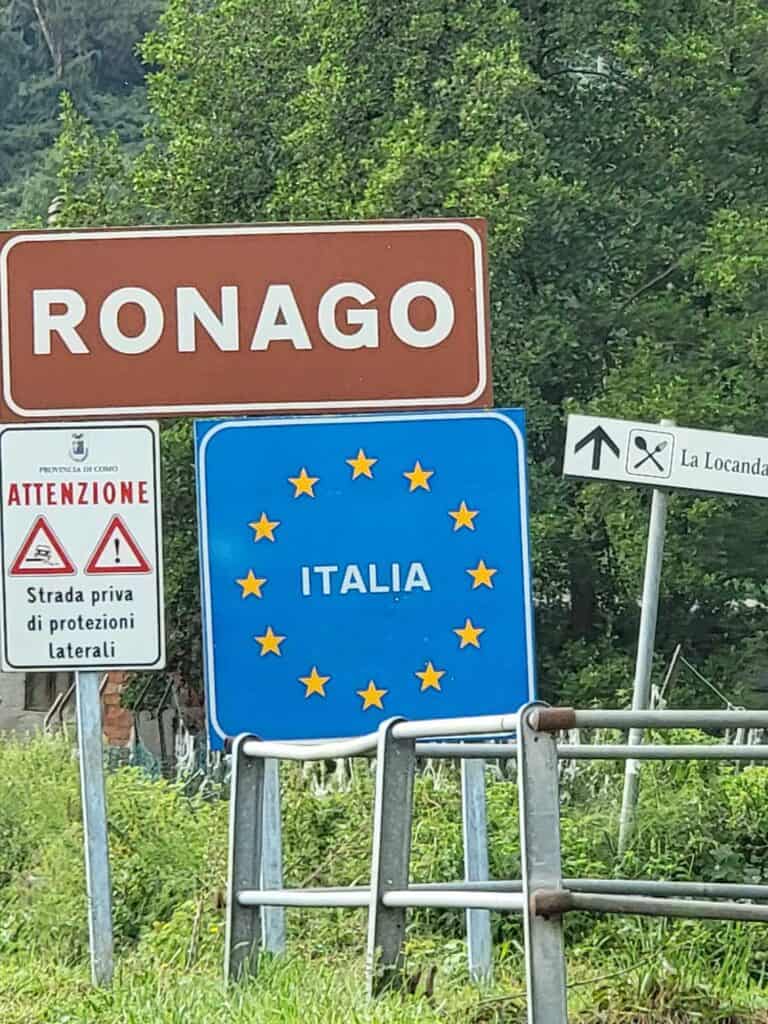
(95, 827)
(665, 457)
(641, 691)
(475, 823)
(81, 590)
(272, 918)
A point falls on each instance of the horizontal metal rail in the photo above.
(474, 899)
(604, 751)
(483, 751)
(648, 887)
(672, 719)
(664, 752)
(557, 719)
(476, 725)
(670, 907)
(505, 751)
(365, 746)
(353, 896)
(648, 906)
(619, 886)
(461, 893)
(543, 719)
(359, 896)
(357, 747)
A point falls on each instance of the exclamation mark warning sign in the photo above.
(117, 552)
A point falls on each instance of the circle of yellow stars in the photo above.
(304, 484)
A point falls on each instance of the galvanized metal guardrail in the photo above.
(542, 896)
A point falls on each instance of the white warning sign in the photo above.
(82, 581)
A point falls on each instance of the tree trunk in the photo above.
(55, 46)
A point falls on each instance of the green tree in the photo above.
(87, 47)
(618, 155)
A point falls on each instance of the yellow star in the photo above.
(430, 677)
(270, 642)
(304, 483)
(469, 635)
(463, 517)
(361, 465)
(264, 528)
(314, 682)
(372, 697)
(251, 585)
(482, 575)
(419, 477)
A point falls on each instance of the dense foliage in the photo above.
(168, 854)
(618, 154)
(87, 47)
(168, 861)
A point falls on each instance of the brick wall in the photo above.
(117, 722)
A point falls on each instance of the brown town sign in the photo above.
(266, 318)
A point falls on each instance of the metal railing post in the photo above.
(475, 824)
(272, 918)
(392, 817)
(542, 895)
(539, 795)
(646, 640)
(246, 830)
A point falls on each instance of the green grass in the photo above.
(168, 853)
(287, 992)
(302, 989)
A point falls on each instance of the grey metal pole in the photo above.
(272, 918)
(539, 795)
(89, 740)
(390, 859)
(613, 903)
(475, 823)
(243, 937)
(641, 691)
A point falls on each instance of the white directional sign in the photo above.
(599, 448)
(80, 540)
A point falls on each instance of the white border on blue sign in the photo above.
(305, 420)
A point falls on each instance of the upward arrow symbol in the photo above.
(598, 438)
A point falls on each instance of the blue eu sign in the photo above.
(360, 567)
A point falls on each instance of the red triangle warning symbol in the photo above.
(117, 552)
(42, 554)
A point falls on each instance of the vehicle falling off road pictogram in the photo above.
(42, 554)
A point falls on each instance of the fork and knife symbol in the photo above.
(649, 454)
